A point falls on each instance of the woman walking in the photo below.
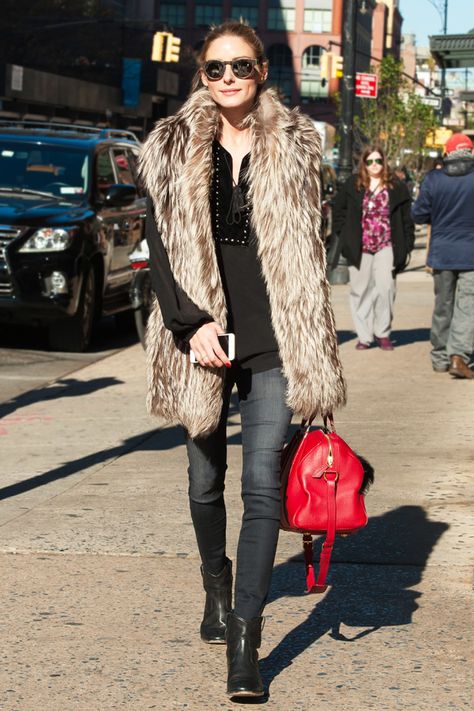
(233, 229)
(372, 215)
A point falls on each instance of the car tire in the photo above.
(141, 319)
(74, 334)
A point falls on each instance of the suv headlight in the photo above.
(49, 239)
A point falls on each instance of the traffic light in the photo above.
(173, 45)
(336, 67)
(325, 67)
(159, 45)
(165, 47)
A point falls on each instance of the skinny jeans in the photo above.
(265, 418)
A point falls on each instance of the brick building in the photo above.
(295, 33)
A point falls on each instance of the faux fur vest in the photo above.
(176, 165)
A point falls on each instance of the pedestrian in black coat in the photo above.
(372, 217)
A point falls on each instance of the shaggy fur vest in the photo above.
(176, 166)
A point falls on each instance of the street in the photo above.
(101, 590)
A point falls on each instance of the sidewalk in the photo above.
(101, 591)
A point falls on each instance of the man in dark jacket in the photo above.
(446, 201)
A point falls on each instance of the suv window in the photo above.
(104, 171)
(49, 169)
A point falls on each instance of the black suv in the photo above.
(71, 212)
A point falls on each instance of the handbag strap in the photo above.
(327, 417)
(330, 477)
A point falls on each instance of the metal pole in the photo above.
(340, 274)
(348, 84)
(443, 68)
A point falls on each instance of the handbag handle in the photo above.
(327, 417)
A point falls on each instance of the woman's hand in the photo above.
(207, 348)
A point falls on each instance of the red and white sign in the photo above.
(366, 85)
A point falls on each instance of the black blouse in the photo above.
(236, 250)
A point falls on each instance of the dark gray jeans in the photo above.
(452, 329)
(265, 418)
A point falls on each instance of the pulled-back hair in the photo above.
(238, 28)
(363, 178)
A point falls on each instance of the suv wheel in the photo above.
(74, 334)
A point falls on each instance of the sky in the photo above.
(421, 18)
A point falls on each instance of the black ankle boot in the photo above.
(243, 639)
(218, 604)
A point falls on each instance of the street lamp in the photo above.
(441, 6)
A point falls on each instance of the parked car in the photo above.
(141, 292)
(71, 212)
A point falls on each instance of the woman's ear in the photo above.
(203, 76)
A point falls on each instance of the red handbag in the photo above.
(322, 492)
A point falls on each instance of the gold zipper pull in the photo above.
(330, 454)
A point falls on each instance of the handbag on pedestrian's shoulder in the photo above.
(323, 484)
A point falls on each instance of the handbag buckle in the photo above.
(335, 474)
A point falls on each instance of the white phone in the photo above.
(227, 343)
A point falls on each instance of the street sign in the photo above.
(366, 85)
(434, 101)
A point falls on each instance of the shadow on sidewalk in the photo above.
(370, 588)
(66, 387)
(410, 335)
(77, 465)
(343, 336)
(401, 337)
(157, 439)
(107, 337)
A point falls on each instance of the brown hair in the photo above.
(239, 28)
(363, 179)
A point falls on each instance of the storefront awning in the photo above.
(453, 51)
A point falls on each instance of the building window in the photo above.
(173, 14)
(311, 56)
(281, 18)
(317, 21)
(311, 85)
(208, 13)
(281, 69)
(250, 14)
(312, 89)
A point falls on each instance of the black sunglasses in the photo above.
(369, 161)
(242, 68)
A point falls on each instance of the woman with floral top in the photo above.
(372, 215)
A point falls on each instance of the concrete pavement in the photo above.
(100, 586)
